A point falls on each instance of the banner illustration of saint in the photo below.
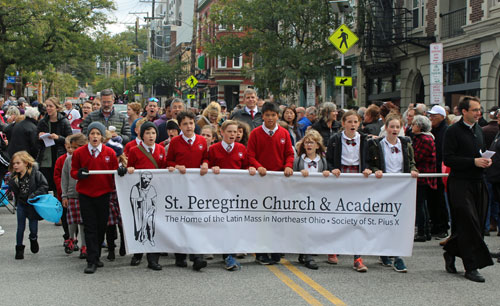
(143, 200)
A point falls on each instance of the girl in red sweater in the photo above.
(94, 192)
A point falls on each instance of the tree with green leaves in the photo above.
(156, 73)
(288, 40)
(38, 33)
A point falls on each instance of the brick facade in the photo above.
(476, 10)
(430, 17)
(461, 52)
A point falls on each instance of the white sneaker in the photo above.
(2, 232)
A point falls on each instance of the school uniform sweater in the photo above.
(129, 146)
(138, 159)
(58, 172)
(274, 153)
(183, 154)
(236, 159)
(98, 184)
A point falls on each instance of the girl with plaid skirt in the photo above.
(310, 159)
(347, 153)
(70, 198)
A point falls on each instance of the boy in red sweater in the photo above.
(229, 154)
(142, 157)
(94, 192)
(188, 151)
(270, 148)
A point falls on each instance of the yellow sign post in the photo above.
(343, 81)
(191, 96)
(192, 81)
(343, 39)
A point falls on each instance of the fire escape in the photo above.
(386, 34)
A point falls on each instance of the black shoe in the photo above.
(199, 264)
(302, 258)
(486, 232)
(311, 264)
(181, 263)
(111, 254)
(419, 238)
(495, 255)
(264, 260)
(498, 259)
(135, 261)
(442, 235)
(90, 269)
(122, 249)
(34, 246)
(449, 263)
(428, 237)
(99, 264)
(154, 266)
(474, 276)
(19, 252)
(275, 257)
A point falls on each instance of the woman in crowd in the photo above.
(290, 117)
(327, 125)
(425, 159)
(211, 116)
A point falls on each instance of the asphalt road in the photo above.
(52, 277)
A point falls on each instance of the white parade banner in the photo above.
(234, 212)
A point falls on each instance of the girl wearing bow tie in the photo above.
(310, 159)
(392, 154)
(347, 152)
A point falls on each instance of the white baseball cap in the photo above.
(437, 110)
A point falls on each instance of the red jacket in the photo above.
(236, 159)
(181, 153)
(273, 153)
(58, 173)
(138, 159)
(98, 184)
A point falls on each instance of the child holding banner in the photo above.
(229, 154)
(70, 197)
(310, 158)
(270, 148)
(94, 202)
(147, 155)
(347, 153)
(26, 182)
(188, 151)
(392, 154)
(137, 140)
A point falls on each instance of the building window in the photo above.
(238, 62)
(473, 70)
(456, 73)
(417, 11)
(386, 85)
(221, 62)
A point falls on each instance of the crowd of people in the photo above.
(48, 148)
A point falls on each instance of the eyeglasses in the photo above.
(309, 143)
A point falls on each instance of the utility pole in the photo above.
(153, 31)
(193, 38)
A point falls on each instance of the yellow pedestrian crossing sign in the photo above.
(343, 81)
(192, 97)
(192, 81)
(343, 39)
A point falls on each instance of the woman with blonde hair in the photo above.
(26, 182)
(211, 115)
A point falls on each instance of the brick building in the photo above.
(394, 53)
(221, 77)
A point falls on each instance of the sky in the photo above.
(122, 17)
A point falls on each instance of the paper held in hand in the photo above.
(47, 141)
(487, 154)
